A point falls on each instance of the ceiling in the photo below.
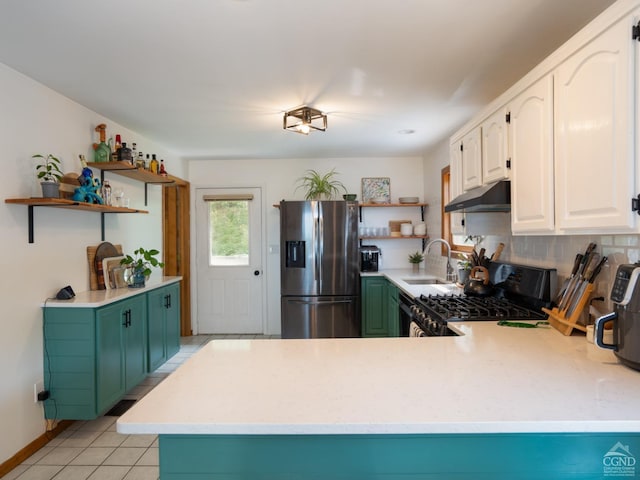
(211, 78)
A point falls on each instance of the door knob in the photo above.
(256, 272)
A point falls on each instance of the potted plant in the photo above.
(320, 187)
(139, 266)
(415, 259)
(50, 174)
(464, 268)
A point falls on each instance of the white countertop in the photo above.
(99, 298)
(400, 275)
(491, 380)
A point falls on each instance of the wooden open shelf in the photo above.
(128, 170)
(33, 202)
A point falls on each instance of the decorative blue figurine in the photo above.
(88, 191)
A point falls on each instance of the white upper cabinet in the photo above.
(472, 159)
(531, 138)
(594, 143)
(495, 147)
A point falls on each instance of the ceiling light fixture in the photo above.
(304, 119)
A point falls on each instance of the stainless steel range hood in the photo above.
(495, 197)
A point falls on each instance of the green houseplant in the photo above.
(415, 259)
(50, 174)
(139, 266)
(319, 187)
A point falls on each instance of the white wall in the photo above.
(35, 119)
(278, 179)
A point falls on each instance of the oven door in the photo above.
(405, 303)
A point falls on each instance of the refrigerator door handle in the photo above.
(320, 246)
(304, 302)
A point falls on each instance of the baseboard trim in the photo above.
(33, 447)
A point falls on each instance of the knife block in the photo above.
(565, 325)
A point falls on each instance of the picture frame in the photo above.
(376, 190)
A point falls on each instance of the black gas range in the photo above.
(520, 293)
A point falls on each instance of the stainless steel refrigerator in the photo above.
(319, 274)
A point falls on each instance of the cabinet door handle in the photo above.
(127, 319)
(167, 301)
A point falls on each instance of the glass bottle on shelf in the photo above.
(124, 154)
(153, 166)
(106, 193)
(116, 148)
(162, 171)
(134, 152)
(140, 161)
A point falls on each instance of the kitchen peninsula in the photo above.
(496, 402)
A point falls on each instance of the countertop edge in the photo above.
(99, 298)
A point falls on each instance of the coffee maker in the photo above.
(625, 295)
(369, 258)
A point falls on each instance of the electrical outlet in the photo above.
(37, 387)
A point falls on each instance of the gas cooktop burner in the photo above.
(462, 308)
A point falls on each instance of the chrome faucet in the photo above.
(451, 276)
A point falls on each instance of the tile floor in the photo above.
(93, 450)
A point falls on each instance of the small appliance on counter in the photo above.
(369, 258)
(625, 295)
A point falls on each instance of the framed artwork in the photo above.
(376, 190)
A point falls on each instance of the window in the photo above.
(458, 242)
(228, 231)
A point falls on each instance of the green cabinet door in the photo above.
(135, 341)
(380, 315)
(172, 299)
(110, 370)
(393, 310)
(163, 324)
(157, 329)
(374, 307)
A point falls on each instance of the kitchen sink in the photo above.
(425, 281)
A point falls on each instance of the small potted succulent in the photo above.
(320, 187)
(415, 259)
(50, 174)
(138, 266)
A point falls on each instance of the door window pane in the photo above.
(229, 233)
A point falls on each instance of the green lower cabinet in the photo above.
(379, 307)
(121, 361)
(535, 456)
(93, 356)
(164, 324)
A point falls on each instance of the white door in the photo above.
(229, 260)
(472, 160)
(532, 194)
(594, 155)
(495, 146)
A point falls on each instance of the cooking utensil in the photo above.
(496, 255)
(574, 270)
(573, 284)
(582, 284)
(478, 287)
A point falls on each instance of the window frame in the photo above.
(445, 182)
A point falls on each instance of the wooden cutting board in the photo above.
(92, 254)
